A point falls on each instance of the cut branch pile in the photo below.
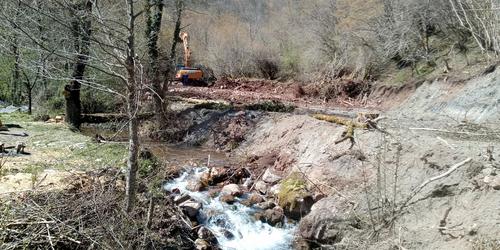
(89, 215)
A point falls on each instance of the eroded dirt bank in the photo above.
(428, 178)
(371, 192)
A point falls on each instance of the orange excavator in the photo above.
(200, 75)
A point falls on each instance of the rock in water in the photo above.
(206, 234)
(266, 205)
(271, 176)
(194, 186)
(300, 208)
(231, 189)
(261, 186)
(274, 216)
(253, 199)
(191, 208)
(202, 244)
(227, 198)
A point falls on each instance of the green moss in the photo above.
(292, 188)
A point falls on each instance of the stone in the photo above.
(232, 189)
(488, 171)
(212, 193)
(274, 190)
(495, 182)
(255, 198)
(259, 216)
(228, 234)
(488, 179)
(271, 176)
(191, 208)
(274, 216)
(227, 198)
(205, 234)
(202, 244)
(327, 221)
(265, 205)
(261, 187)
(300, 208)
(194, 186)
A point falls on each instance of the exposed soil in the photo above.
(344, 93)
(430, 127)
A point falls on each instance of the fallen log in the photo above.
(350, 126)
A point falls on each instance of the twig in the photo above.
(442, 222)
(150, 212)
(50, 237)
(447, 131)
(445, 142)
(417, 190)
(18, 223)
(435, 178)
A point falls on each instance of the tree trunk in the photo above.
(132, 163)
(16, 73)
(81, 33)
(152, 33)
(177, 30)
(132, 108)
(30, 100)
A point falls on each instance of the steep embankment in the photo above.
(370, 190)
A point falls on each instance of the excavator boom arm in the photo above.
(187, 51)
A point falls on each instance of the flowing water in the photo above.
(236, 220)
(234, 225)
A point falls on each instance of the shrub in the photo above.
(268, 68)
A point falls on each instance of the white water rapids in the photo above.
(220, 218)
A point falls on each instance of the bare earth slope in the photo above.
(438, 125)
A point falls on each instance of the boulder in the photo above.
(205, 234)
(202, 244)
(327, 222)
(300, 208)
(231, 189)
(265, 205)
(274, 190)
(255, 198)
(213, 192)
(261, 187)
(270, 176)
(228, 234)
(191, 208)
(252, 200)
(273, 216)
(194, 186)
(227, 198)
